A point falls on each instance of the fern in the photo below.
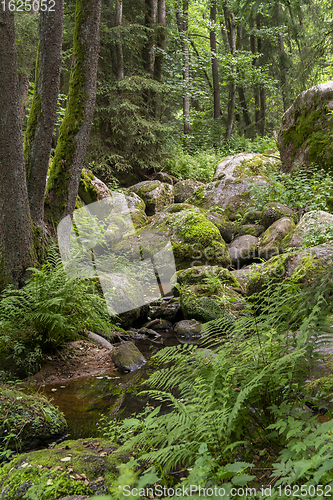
(49, 310)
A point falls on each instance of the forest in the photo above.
(166, 249)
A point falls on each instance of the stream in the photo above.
(84, 400)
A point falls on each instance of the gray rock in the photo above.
(127, 357)
(315, 223)
(188, 329)
(155, 194)
(306, 133)
(275, 238)
(228, 229)
(274, 211)
(164, 177)
(243, 250)
(244, 165)
(183, 190)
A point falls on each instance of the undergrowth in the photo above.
(237, 398)
(48, 311)
(309, 189)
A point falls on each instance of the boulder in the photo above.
(300, 266)
(245, 165)
(188, 330)
(183, 190)
(164, 177)
(316, 225)
(28, 421)
(275, 238)
(195, 240)
(92, 189)
(155, 194)
(211, 301)
(252, 217)
(202, 274)
(252, 229)
(127, 357)
(48, 473)
(166, 310)
(274, 211)
(243, 250)
(228, 229)
(306, 133)
(231, 188)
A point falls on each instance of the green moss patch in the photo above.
(70, 468)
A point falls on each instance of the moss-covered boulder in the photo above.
(195, 240)
(276, 238)
(164, 177)
(179, 207)
(188, 330)
(228, 229)
(300, 266)
(251, 217)
(28, 421)
(211, 301)
(252, 229)
(274, 211)
(91, 188)
(244, 165)
(82, 467)
(314, 227)
(306, 133)
(202, 274)
(155, 194)
(243, 250)
(127, 357)
(183, 190)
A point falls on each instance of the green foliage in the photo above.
(49, 310)
(199, 163)
(221, 401)
(309, 189)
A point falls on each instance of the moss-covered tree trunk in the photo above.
(38, 137)
(65, 173)
(15, 224)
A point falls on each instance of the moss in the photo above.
(71, 124)
(197, 229)
(238, 206)
(313, 129)
(259, 165)
(198, 274)
(28, 421)
(41, 474)
(30, 133)
(87, 191)
(252, 229)
(197, 196)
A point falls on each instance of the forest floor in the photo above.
(77, 359)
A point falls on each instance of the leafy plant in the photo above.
(310, 189)
(49, 310)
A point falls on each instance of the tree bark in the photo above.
(182, 22)
(38, 137)
(282, 61)
(119, 48)
(149, 47)
(215, 71)
(262, 94)
(160, 40)
(15, 224)
(65, 173)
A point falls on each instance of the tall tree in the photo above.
(149, 47)
(230, 22)
(15, 224)
(38, 137)
(160, 40)
(182, 22)
(66, 168)
(119, 48)
(215, 71)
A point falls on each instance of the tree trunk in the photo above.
(160, 40)
(262, 94)
(150, 23)
(282, 61)
(65, 174)
(15, 225)
(245, 111)
(215, 71)
(182, 22)
(119, 48)
(230, 22)
(38, 137)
